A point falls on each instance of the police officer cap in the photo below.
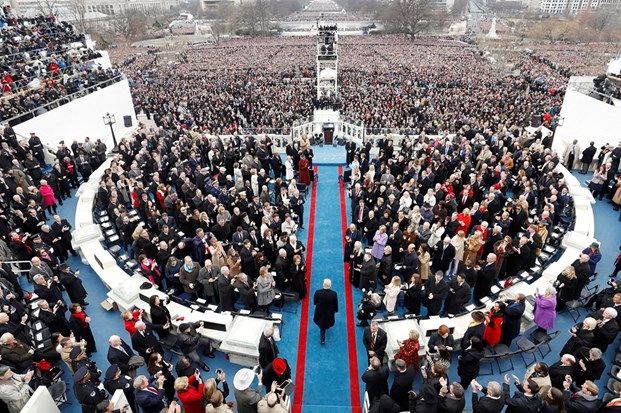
(80, 374)
(75, 352)
(111, 372)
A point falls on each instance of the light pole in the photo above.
(109, 120)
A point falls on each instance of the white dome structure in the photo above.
(327, 74)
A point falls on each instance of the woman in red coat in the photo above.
(493, 324)
(408, 350)
(190, 392)
(303, 167)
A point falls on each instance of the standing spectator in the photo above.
(265, 289)
(391, 293)
(402, 383)
(451, 397)
(379, 242)
(566, 285)
(607, 328)
(492, 402)
(150, 395)
(458, 295)
(469, 362)
(581, 401)
(526, 399)
(581, 337)
(160, 316)
(49, 199)
(493, 324)
(594, 256)
(409, 349)
(246, 398)
(435, 291)
(513, 319)
(268, 350)
(375, 341)
(376, 380)
(80, 325)
(190, 393)
(587, 157)
(545, 309)
(326, 306)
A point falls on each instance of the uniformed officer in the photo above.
(115, 380)
(88, 393)
(79, 359)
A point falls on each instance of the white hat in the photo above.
(243, 379)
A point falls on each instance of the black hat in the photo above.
(63, 267)
(75, 352)
(184, 326)
(80, 374)
(111, 372)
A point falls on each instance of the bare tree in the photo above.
(130, 23)
(77, 9)
(409, 17)
(48, 7)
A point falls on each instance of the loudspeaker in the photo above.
(127, 121)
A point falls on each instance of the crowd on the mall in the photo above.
(42, 62)
(264, 85)
(433, 228)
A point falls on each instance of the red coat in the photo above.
(466, 219)
(130, 325)
(304, 172)
(192, 397)
(409, 353)
(493, 329)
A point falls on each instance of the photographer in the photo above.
(189, 340)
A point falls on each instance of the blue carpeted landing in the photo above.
(326, 382)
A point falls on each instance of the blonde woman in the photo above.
(581, 337)
(424, 257)
(473, 245)
(459, 243)
(392, 291)
(566, 285)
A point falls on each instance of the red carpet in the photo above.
(298, 394)
(354, 388)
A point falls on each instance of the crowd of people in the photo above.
(433, 228)
(41, 63)
(264, 85)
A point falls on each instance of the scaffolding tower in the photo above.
(327, 61)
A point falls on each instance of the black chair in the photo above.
(542, 339)
(526, 347)
(503, 352)
(488, 358)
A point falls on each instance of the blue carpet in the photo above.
(327, 364)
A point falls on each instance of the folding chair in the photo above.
(488, 358)
(503, 353)
(526, 347)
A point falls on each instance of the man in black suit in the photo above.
(150, 396)
(443, 256)
(410, 262)
(492, 402)
(525, 400)
(375, 340)
(350, 150)
(435, 293)
(268, 350)
(121, 354)
(376, 380)
(451, 397)
(560, 369)
(360, 214)
(144, 341)
(582, 401)
(486, 278)
(607, 328)
(189, 340)
(402, 384)
(458, 295)
(326, 305)
(583, 272)
(368, 272)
